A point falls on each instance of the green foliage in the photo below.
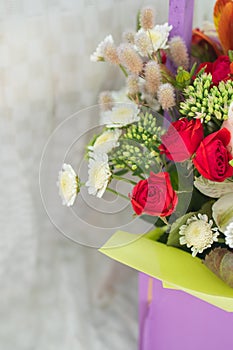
(230, 54)
(183, 78)
(205, 101)
(138, 147)
(207, 208)
(138, 25)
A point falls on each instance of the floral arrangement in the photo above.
(176, 112)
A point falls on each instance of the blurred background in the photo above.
(53, 292)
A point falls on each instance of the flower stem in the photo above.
(159, 56)
(117, 193)
(120, 178)
(123, 70)
(164, 220)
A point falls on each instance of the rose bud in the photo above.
(212, 156)
(182, 139)
(154, 196)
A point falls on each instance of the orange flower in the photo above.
(223, 20)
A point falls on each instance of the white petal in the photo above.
(223, 211)
(213, 189)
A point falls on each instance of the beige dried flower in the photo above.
(130, 59)
(110, 53)
(128, 36)
(152, 76)
(147, 18)
(142, 42)
(166, 96)
(132, 84)
(178, 52)
(106, 101)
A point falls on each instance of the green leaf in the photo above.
(174, 236)
(121, 172)
(174, 177)
(138, 21)
(207, 208)
(230, 54)
(193, 69)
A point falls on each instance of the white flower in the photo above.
(120, 96)
(99, 174)
(229, 235)
(222, 211)
(213, 189)
(106, 141)
(120, 116)
(158, 37)
(98, 54)
(68, 184)
(198, 233)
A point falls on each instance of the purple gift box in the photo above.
(172, 319)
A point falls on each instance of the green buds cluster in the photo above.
(146, 131)
(205, 101)
(138, 149)
(134, 157)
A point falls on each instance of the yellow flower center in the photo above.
(154, 36)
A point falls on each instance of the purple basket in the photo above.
(175, 320)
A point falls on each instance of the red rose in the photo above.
(154, 196)
(212, 156)
(182, 139)
(220, 69)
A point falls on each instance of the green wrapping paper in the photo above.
(174, 267)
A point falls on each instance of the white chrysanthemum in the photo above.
(198, 233)
(158, 36)
(99, 174)
(120, 116)
(229, 235)
(98, 55)
(68, 184)
(120, 95)
(106, 141)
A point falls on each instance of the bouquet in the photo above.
(169, 134)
